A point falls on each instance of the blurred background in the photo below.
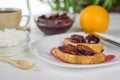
(36, 6)
(76, 6)
(45, 6)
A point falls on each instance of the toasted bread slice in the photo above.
(98, 47)
(78, 59)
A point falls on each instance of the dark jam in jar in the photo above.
(55, 23)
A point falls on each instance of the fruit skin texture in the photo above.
(94, 19)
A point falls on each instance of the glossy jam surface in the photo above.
(54, 23)
(109, 57)
(79, 50)
(92, 39)
(84, 39)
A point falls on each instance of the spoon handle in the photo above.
(7, 60)
(23, 64)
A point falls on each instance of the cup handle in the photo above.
(28, 19)
(24, 27)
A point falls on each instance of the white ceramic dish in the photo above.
(41, 49)
(12, 42)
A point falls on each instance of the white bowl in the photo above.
(12, 50)
(13, 45)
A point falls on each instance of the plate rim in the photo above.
(68, 65)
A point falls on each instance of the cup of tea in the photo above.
(11, 18)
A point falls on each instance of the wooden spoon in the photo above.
(23, 64)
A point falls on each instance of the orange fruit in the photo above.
(94, 19)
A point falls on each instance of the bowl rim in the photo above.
(71, 15)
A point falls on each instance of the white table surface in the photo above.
(45, 71)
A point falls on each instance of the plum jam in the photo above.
(79, 50)
(92, 39)
(55, 23)
(77, 38)
(87, 39)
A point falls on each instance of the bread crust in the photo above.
(98, 47)
(78, 59)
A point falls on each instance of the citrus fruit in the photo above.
(94, 19)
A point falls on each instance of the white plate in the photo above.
(41, 49)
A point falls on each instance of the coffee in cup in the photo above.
(11, 18)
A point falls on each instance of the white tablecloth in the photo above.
(45, 71)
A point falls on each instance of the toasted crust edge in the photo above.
(76, 59)
(95, 47)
